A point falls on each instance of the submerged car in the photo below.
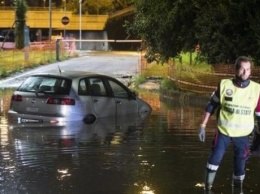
(54, 99)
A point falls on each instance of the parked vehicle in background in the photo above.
(7, 41)
(53, 99)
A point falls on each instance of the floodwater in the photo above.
(158, 155)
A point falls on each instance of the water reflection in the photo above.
(157, 154)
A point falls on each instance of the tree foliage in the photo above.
(97, 6)
(165, 27)
(224, 29)
(227, 29)
(20, 13)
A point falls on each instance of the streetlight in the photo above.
(64, 4)
(50, 20)
(80, 13)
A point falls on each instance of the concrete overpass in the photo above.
(40, 19)
(92, 26)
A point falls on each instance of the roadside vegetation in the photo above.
(98, 7)
(13, 61)
(20, 13)
(221, 30)
(160, 72)
(218, 31)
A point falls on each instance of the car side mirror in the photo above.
(132, 96)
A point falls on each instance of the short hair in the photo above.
(242, 59)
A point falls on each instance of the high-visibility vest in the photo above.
(236, 116)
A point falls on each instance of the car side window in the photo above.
(97, 87)
(118, 90)
(83, 87)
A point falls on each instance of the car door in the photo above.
(125, 104)
(103, 103)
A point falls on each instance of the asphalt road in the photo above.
(116, 64)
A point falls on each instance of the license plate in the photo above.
(24, 120)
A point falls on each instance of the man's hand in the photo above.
(202, 132)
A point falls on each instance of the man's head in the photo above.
(243, 68)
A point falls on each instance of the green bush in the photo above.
(139, 80)
(168, 84)
(4, 73)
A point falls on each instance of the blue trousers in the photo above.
(241, 153)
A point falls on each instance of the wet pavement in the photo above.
(158, 154)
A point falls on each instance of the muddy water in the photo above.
(158, 155)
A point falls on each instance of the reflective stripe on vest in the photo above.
(236, 117)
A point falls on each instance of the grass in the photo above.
(182, 62)
(175, 68)
(155, 70)
(12, 61)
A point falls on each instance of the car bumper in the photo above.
(27, 120)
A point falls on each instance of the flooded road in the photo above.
(159, 154)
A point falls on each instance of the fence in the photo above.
(38, 53)
(204, 82)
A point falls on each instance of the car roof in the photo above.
(71, 74)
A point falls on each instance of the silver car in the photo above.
(57, 98)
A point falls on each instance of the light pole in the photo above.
(50, 20)
(80, 13)
(64, 4)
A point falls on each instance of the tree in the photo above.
(73, 5)
(121, 4)
(97, 6)
(224, 29)
(166, 26)
(20, 13)
(228, 29)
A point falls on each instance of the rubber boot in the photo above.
(209, 179)
(237, 186)
(208, 192)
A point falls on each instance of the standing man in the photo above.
(72, 45)
(237, 103)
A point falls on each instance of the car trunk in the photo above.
(38, 103)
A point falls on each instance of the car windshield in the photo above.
(46, 84)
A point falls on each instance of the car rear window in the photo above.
(46, 84)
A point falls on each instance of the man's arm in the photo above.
(212, 105)
(209, 110)
(257, 112)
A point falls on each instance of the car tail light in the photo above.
(17, 98)
(67, 142)
(61, 101)
(54, 121)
